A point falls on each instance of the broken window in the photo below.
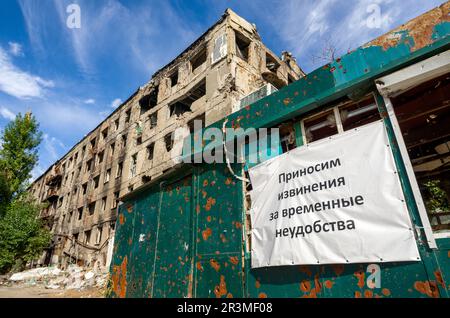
(138, 141)
(320, 126)
(124, 141)
(242, 46)
(75, 158)
(127, 116)
(107, 175)
(343, 116)
(359, 113)
(198, 60)
(133, 166)
(111, 149)
(423, 114)
(83, 151)
(88, 165)
(174, 78)
(80, 213)
(84, 186)
(150, 150)
(197, 123)
(149, 101)
(116, 124)
(104, 200)
(119, 169)
(184, 105)
(168, 140)
(93, 142)
(100, 157)
(87, 237)
(95, 182)
(105, 133)
(153, 120)
(116, 200)
(220, 48)
(98, 239)
(91, 208)
(287, 137)
(271, 63)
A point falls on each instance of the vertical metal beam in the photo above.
(409, 172)
(298, 134)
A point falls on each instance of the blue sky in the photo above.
(71, 79)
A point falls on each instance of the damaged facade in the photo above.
(142, 138)
(188, 232)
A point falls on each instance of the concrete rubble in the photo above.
(73, 278)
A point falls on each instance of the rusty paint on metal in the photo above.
(206, 234)
(420, 29)
(329, 284)
(221, 289)
(305, 286)
(262, 295)
(439, 279)
(287, 101)
(428, 288)
(338, 269)
(386, 292)
(121, 219)
(210, 203)
(360, 275)
(214, 264)
(119, 278)
(234, 260)
(368, 293)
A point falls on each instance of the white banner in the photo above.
(336, 200)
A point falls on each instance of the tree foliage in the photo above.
(18, 153)
(22, 234)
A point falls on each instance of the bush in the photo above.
(22, 234)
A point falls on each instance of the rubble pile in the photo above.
(74, 277)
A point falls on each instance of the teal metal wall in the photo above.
(184, 237)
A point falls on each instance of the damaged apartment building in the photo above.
(226, 69)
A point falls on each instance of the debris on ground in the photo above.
(73, 278)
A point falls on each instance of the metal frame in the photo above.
(393, 85)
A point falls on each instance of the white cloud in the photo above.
(36, 172)
(89, 101)
(53, 146)
(6, 113)
(116, 103)
(306, 26)
(109, 30)
(15, 49)
(18, 83)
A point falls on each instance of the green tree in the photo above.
(22, 234)
(5, 195)
(18, 154)
(23, 237)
